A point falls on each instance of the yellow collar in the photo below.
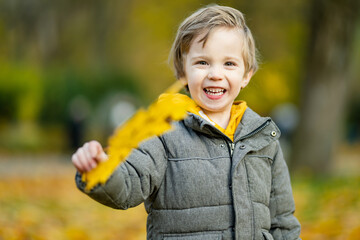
(237, 111)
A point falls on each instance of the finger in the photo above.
(91, 150)
(77, 163)
(80, 160)
(83, 159)
(102, 157)
(94, 148)
(81, 167)
(87, 151)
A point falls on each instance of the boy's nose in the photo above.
(215, 74)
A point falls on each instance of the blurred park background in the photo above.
(71, 71)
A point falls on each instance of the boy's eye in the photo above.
(202, 63)
(230, 64)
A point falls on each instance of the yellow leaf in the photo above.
(145, 124)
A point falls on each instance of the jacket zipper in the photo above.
(231, 147)
(249, 198)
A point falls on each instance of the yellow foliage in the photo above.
(76, 233)
(154, 121)
(43, 206)
(355, 234)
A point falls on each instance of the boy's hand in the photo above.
(88, 156)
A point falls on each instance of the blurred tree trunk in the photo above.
(332, 31)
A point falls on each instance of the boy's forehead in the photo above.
(222, 44)
(206, 34)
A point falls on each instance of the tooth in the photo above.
(216, 90)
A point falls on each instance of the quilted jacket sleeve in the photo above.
(134, 180)
(284, 225)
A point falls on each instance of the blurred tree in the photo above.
(327, 77)
(95, 48)
(279, 35)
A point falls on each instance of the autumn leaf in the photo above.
(156, 120)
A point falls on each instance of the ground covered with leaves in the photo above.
(328, 208)
(38, 204)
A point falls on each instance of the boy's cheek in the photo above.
(196, 76)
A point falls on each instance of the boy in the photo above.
(220, 173)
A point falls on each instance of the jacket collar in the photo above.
(250, 123)
(199, 124)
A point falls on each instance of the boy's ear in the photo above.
(246, 79)
(183, 80)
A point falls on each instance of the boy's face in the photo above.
(215, 72)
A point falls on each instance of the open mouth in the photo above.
(214, 91)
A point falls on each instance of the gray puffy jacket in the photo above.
(198, 184)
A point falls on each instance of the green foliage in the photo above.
(63, 85)
(52, 52)
(137, 36)
(27, 94)
(20, 93)
(34, 104)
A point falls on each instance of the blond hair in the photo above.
(205, 20)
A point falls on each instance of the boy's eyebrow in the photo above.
(225, 58)
(199, 56)
(233, 58)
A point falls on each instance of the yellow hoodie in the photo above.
(237, 111)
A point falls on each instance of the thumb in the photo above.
(97, 151)
(101, 156)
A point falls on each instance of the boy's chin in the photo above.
(214, 109)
